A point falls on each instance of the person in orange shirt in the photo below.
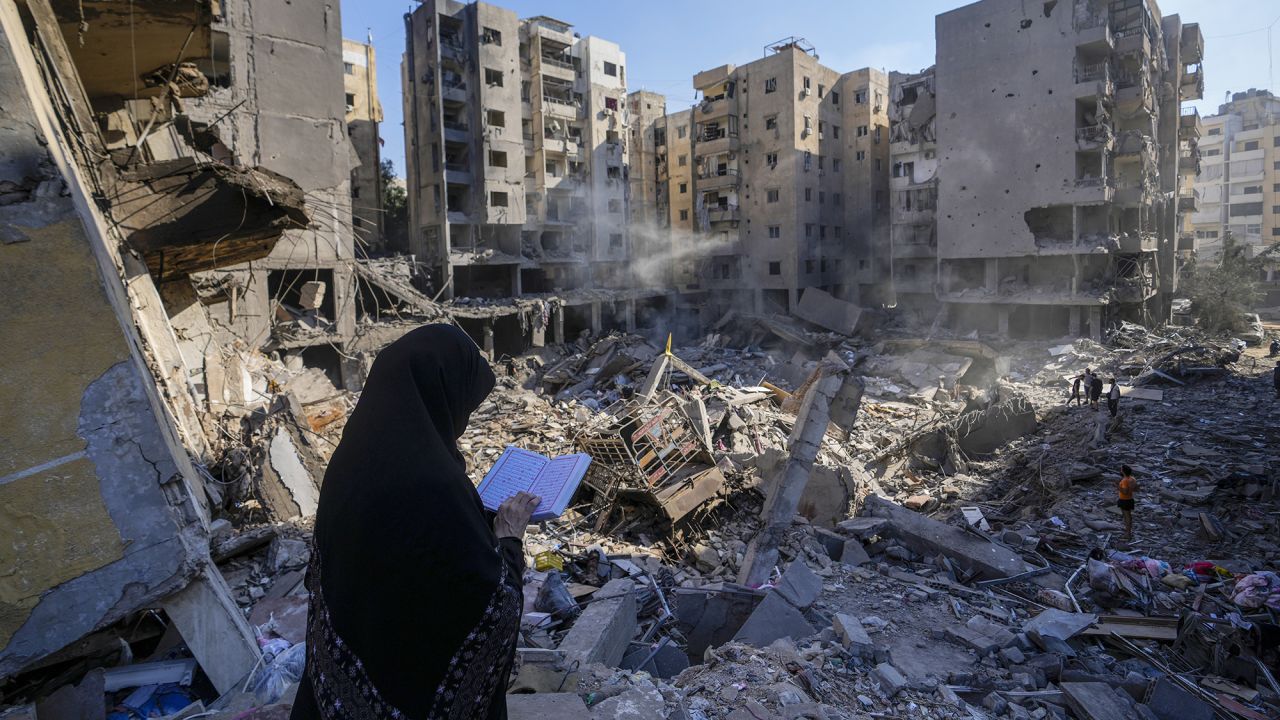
(1128, 486)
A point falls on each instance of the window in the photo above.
(491, 37)
(820, 161)
(835, 198)
(862, 131)
(822, 90)
(808, 267)
(1275, 209)
(822, 232)
(496, 118)
(878, 129)
(807, 86)
(860, 155)
(610, 69)
(822, 197)
(877, 164)
(1275, 141)
(1245, 209)
(808, 229)
(615, 241)
(860, 97)
(836, 232)
(493, 77)
(684, 188)
(1215, 131)
(497, 158)
(680, 131)
(498, 199)
(611, 103)
(1212, 152)
(355, 191)
(551, 168)
(879, 198)
(351, 102)
(1251, 145)
(835, 132)
(1275, 165)
(615, 205)
(771, 195)
(1275, 187)
(835, 98)
(1253, 229)
(775, 232)
(682, 161)
(771, 122)
(835, 164)
(1206, 234)
(771, 159)
(684, 214)
(771, 85)
(348, 69)
(808, 194)
(1249, 126)
(775, 268)
(1251, 190)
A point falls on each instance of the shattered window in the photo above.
(771, 85)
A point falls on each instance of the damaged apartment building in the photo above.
(1063, 163)
(517, 172)
(161, 228)
(363, 118)
(913, 187)
(776, 182)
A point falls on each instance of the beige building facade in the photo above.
(364, 117)
(913, 188)
(1059, 190)
(515, 151)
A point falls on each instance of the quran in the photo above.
(552, 479)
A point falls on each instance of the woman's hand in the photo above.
(513, 515)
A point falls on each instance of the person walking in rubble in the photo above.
(1075, 388)
(416, 591)
(1128, 486)
(1113, 398)
(1095, 391)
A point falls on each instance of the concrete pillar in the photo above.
(806, 438)
(1095, 323)
(757, 301)
(1073, 321)
(488, 339)
(1002, 320)
(991, 278)
(629, 315)
(517, 289)
(793, 299)
(214, 629)
(596, 324)
(557, 324)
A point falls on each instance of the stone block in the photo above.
(637, 703)
(972, 639)
(604, 629)
(773, 618)
(863, 527)
(854, 553)
(891, 681)
(1012, 656)
(853, 636)
(546, 706)
(929, 537)
(799, 585)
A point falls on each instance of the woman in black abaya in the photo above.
(415, 589)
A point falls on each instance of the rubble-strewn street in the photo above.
(970, 414)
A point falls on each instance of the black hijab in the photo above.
(407, 551)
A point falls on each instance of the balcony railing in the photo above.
(719, 214)
(709, 173)
(556, 62)
(455, 125)
(560, 101)
(1097, 134)
(1093, 72)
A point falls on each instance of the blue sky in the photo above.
(667, 42)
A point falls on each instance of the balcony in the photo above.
(1094, 137)
(1192, 45)
(458, 173)
(1189, 202)
(1135, 194)
(568, 146)
(1092, 190)
(556, 67)
(561, 108)
(716, 142)
(1192, 87)
(711, 109)
(722, 215)
(453, 91)
(717, 178)
(1133, 289)
(1189, 125)
(1094, 79)
(1097, 38)
(1131, 243)
(455, 131)
(1135, 41)
(453, 48)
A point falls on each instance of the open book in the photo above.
(552, 479)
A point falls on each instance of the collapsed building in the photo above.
(1084, 231)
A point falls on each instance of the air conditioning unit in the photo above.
(806, 133)
(806, 92)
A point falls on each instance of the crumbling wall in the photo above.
(98, 513)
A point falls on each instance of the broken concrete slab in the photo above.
(1057, 624)
(636, 703)
(853, 636)
(982, 432)
(546, 706)
(1097, 701)
(604, 630)
(773, 618)
(972, 639)
(823, 309)
(891, 681)
(931, 538)
(854, 553)
(799, 585)
(863, 527)
(1170, 702)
